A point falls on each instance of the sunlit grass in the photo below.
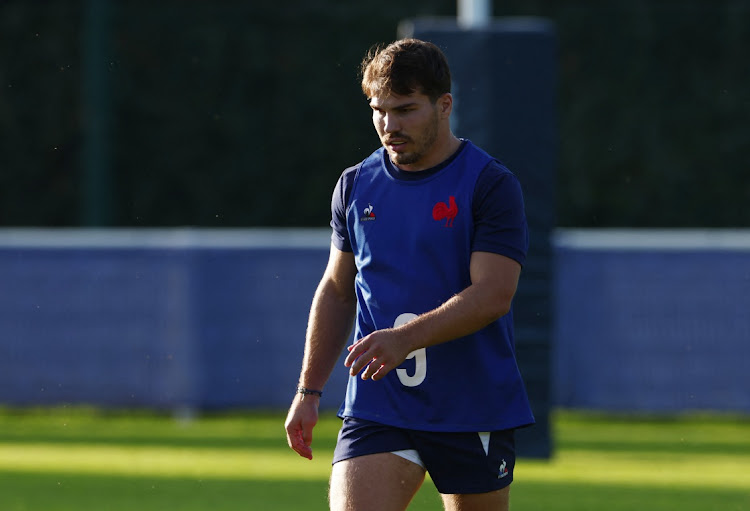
(638, 467)
(641, 469)
(76, 456)
(162, 462)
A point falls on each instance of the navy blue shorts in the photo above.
(456, 462)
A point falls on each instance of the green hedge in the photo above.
(235, 114)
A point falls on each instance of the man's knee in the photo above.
(498, 500)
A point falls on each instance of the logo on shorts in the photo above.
(503, 470)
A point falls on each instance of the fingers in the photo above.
(367, 359)
(302, 418)
(303, 445)
(371, 369)
(297, 441)
(359, 357)
(380, 372)
(355, 350)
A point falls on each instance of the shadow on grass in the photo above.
(589, 497)
(73, 492)
(69, 492)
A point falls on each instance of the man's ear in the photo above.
(445, 105)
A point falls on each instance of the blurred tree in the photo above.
(234, 113)
(39, 118)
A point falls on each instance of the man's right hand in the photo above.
(300, 421)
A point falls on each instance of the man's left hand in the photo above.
(377, 353)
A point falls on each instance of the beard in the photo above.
(422, 145)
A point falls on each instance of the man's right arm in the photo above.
(330, 323)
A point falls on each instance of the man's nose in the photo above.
(390, 124)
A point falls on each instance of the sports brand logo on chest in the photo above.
(368, 213)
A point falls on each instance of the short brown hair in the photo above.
(404, 67)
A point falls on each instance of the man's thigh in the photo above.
(377, 482)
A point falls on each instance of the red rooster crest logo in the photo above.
(447, 212)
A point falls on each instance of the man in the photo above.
(429, 235)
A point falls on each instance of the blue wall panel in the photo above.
(156, 325)
(651, 328)
(251, 312)
(655, 329)
(102, 326)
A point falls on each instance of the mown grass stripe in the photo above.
(642, 469)
(700, 470)
(163, 461)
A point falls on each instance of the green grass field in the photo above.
(82, 460)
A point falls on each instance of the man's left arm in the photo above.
(494, 279)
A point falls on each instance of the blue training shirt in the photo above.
(412, 235)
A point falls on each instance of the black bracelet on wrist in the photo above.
(307, 392)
